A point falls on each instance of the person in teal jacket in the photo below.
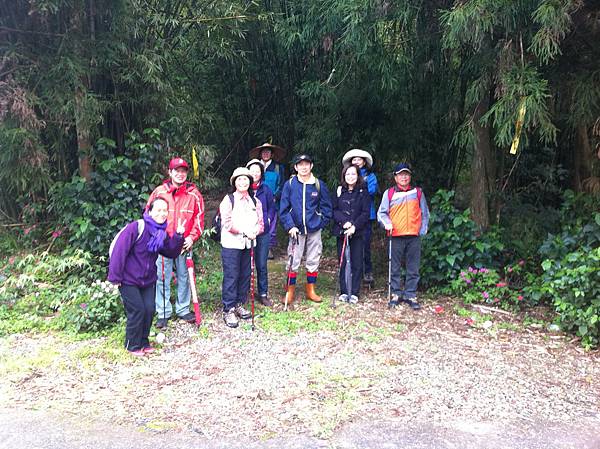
(364, 161)
(274, 178)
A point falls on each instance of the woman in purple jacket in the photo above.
(132, 267)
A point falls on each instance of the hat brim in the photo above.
(347, 158)
(407, 170)
(278, 153)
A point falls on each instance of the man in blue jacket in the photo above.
(305, 209)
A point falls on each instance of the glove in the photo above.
(294, 232)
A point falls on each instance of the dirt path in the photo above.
(327, 377)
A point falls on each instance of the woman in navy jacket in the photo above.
(265, 195)
(132, 267)
(351, 209)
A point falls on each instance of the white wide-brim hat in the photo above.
(240, 171)
(355, 152)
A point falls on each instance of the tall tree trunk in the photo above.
(583, 157)
(480, 188)
(84, 144)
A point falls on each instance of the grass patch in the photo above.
(315, 318)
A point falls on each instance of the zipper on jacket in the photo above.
(304, 208)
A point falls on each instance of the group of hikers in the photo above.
(145, 252)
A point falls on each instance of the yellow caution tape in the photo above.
(195, 162)
(518, 127)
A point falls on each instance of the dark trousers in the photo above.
(261, 253)
(356, 244)
(139, 308)
(406, 249)
(367, 247)
(236, 276)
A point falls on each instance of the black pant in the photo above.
(406, 249)
(139, 307)
(356, 244)
(236, 276)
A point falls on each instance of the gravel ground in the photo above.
(374, 365)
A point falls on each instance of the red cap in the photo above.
(177, 163)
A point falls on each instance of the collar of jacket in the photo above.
(397, 188)
(311, 180)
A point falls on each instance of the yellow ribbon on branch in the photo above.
(195, 162)
(518, 126)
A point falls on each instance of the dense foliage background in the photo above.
(96, 96)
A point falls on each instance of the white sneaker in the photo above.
(353, 299)
(343, 298)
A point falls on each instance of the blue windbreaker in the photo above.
(304, 206)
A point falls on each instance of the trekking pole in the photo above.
(289, 270)
(252, 243)
(333, 303)
(163, 288)
(389, 266)
(189, 262)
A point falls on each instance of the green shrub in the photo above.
(487, 286)
(56, 291)
(93, 212)
(453, 241)
(573, 284)
(93, 308)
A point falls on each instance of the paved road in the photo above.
(21, 429)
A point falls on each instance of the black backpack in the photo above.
(216, 224)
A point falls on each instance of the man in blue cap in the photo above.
(404, 214)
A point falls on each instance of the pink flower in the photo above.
(83, 305)
(483, 270)
(438, 309)
(520, 298)
(11, 260)
(501, 284)
(57, 233)
(509, 269)
(521, 262)
(27, 230)
(496, 300)
(469, 321)
(468, 281)
(486, 295)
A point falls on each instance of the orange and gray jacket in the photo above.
(406, 210)
(185, 203)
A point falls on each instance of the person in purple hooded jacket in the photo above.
(132, 267)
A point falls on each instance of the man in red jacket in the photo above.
(185, 203)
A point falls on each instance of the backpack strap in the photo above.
(390, 194)
(141, 225)
(339, 191)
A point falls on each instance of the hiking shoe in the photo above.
(149, 349)
(188, 317)
(242, 313)
(270, 256)
(394, 302)
(368, 278)
(138, 353)
(353, 299)
(413, 304)
(162, 323)
(230, 318)
(265, 301)
(343, 298)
